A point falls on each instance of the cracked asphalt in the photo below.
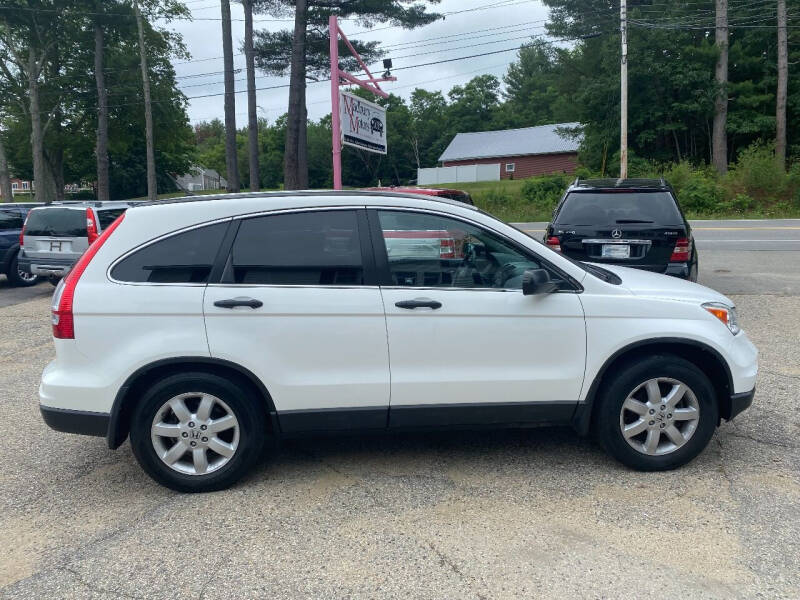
(511, 514)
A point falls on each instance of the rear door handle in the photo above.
(419, 303)
(234, 302)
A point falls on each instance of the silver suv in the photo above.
(55, 236)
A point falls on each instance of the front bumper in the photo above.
(740, 403)
(76, 421)
(47, 267)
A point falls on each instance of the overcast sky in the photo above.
(494, 26)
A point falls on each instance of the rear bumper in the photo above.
(76, 421)
(47, 267)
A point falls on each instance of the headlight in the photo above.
(726, 314)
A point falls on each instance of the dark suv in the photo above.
(627, 222)
(12, 216)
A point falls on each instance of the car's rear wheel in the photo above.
(19, 277)
(197, 432)
(656, 414)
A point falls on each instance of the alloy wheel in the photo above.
(659, 416)
(195, 433)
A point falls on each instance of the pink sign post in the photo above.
(340, 77)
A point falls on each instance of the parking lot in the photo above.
(509, 514)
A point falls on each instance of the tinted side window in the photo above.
(182, 258)
(308, 248)
(109, 215)
(10, 219)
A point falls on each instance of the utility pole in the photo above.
(783, 78)
(623, 88)
(719, 136)
(152, 186)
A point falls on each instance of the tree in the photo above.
(5, 179)
(252, 117)
(783, 79)
(719, 142)
(232, 167)
(101, 149)
(152, 185)
(304, 53)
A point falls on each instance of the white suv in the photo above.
(203, 326)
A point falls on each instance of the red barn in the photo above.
(521, 152)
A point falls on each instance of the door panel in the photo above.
(461, 333)
(318, 344)
(485, 346)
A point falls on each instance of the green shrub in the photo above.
(544, 192)
(700, 193)
(757, 174)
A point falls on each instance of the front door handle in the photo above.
(234, 302)
(419, 303)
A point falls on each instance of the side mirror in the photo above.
(537, 281)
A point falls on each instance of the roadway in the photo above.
(740, 257)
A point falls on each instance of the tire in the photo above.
(694, 416)
(17, 278)
(153, 416)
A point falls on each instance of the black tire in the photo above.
(626, 378)
(14, 277)
(247, 409)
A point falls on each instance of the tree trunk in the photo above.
(5, 177)
(783, 78)
(252, 117)
(231, 160)
(42, 181)
(152, 186)
(101, 149)
(295, 166)
(719, 144)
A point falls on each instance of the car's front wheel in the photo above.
(197, 432)
(656, 414)
(19, 277)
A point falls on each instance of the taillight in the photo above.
(553, 243)
(63, 323)
(22, 233)
(682, 250)
(447, 248)
(91, 226)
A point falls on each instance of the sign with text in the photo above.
(363, 123)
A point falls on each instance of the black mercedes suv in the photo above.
(627, 222)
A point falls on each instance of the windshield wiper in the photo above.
(632, 221)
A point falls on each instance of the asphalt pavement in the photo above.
(740, 257)
(484, 515)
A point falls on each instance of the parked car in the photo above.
(12, 216)
(55, 236)
(436, 192)
(201, 327)
(631, 222)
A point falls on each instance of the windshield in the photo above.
(64, 222)
(614, 208)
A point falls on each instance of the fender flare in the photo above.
(119, 418)
(582, 418)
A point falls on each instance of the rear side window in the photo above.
(108, 216)
(10, 219)
(308, 248)
(57, 221)
(610, 208)
(181, 258)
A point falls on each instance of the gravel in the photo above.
(511, 514)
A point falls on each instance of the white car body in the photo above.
(327, 349)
